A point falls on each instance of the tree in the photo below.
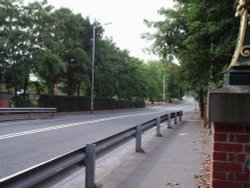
(55, 45)
(68, 28)
(173, 81)
(194, 32)
(50, 69)
(19, 40)
(77, 61)
(154, 72)
(11, 40)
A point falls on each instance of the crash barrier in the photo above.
(86, 156)
(25, 111)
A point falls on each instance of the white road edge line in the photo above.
(69, 125)
(73, 117)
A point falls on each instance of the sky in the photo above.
(126, 17)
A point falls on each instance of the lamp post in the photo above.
(93, 67)
(164, 88)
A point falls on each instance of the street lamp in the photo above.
(164, 88)
(93, 67)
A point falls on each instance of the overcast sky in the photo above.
(126, 16)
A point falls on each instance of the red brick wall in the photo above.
(4, 103)
(205, 116)
(230, 151)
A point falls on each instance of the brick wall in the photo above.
(230, 151)
(205, 115)
(4, 103)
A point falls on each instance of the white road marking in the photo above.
(68, 125)
(183, 134)
(181, 106)
(74, 117)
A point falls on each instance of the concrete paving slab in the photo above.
(170, 161)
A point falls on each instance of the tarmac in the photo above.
(173, 160)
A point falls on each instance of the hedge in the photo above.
(74, 103)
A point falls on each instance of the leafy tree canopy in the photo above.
(201, 34)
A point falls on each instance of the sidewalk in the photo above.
(173, 160)
(179, 159)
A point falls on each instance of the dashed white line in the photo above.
(67, 125)
(76, 124)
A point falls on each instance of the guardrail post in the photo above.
(175, 118)
(169, 121)
(158, 127)
(90, 166)
(138, 147)
(29, 115)
(180, 116)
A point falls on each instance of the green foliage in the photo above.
(49, 61)
(21, 101)
(154, 72)
(202, 35)
(55, 45)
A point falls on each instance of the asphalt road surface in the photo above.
(24, 144)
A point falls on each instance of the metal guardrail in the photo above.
(85, 156)
(27, 110)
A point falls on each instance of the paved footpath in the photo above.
(173, 160)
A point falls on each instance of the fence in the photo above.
(86, 156)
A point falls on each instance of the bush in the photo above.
(74, 103)
(21, 101)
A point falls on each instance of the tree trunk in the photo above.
(51, 87)
(201, 102)
(78, 88)
(15, 91)
(70, 85)
(25, 87)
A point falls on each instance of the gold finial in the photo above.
(241, 55)
(243, 5)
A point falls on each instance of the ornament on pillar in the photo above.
(239, 69)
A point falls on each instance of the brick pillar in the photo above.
(231, 149)
(205, 120)
(229, 112)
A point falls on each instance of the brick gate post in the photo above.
(230, 117)
(229, 114)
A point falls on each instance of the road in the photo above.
(24, 144)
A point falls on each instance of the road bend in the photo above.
(24, 144)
